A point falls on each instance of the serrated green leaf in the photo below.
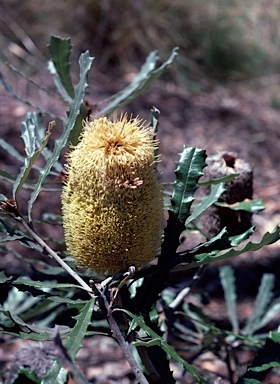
(29, 137)
(147, 74)
(23, 374)
(252, 206)
(188, 171)
(217, 255)
(228, 284)
(25, 335)
(158, 340)
(12, 233)
(8, 320)
(40, 134)
(237, 239)
(212, 241)
(268, 238)
(60, 50)
(220, 180)
(78, 127)
(44, 284)
(216, 191)
(267, 358)
(85, 62)
(73, 343)
(262, 301)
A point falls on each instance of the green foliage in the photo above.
(266, 359)
(189, 169)
(59, 66)
(147, 74)
(25, 376)
(73, 343)
(35, 300)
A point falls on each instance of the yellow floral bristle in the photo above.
(112, 202)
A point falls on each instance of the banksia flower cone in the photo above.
(112, 202)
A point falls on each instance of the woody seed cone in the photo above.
(112, 202)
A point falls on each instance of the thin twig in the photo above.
(105, 306)
(54, 255)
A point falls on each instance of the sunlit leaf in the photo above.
(252, 206)
(78, 127)
(148, 73)
(268, 238)
(85, 62)
(217, 255)
(60, 50)
(29, 137)
(40, 134)
(188, 171)
(216, 191)
(220, 180)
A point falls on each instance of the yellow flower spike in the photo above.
(112, 202)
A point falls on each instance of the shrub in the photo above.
(130, 299)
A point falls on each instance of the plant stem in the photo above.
(105, 306)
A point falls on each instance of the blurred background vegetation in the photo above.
(229, 41)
